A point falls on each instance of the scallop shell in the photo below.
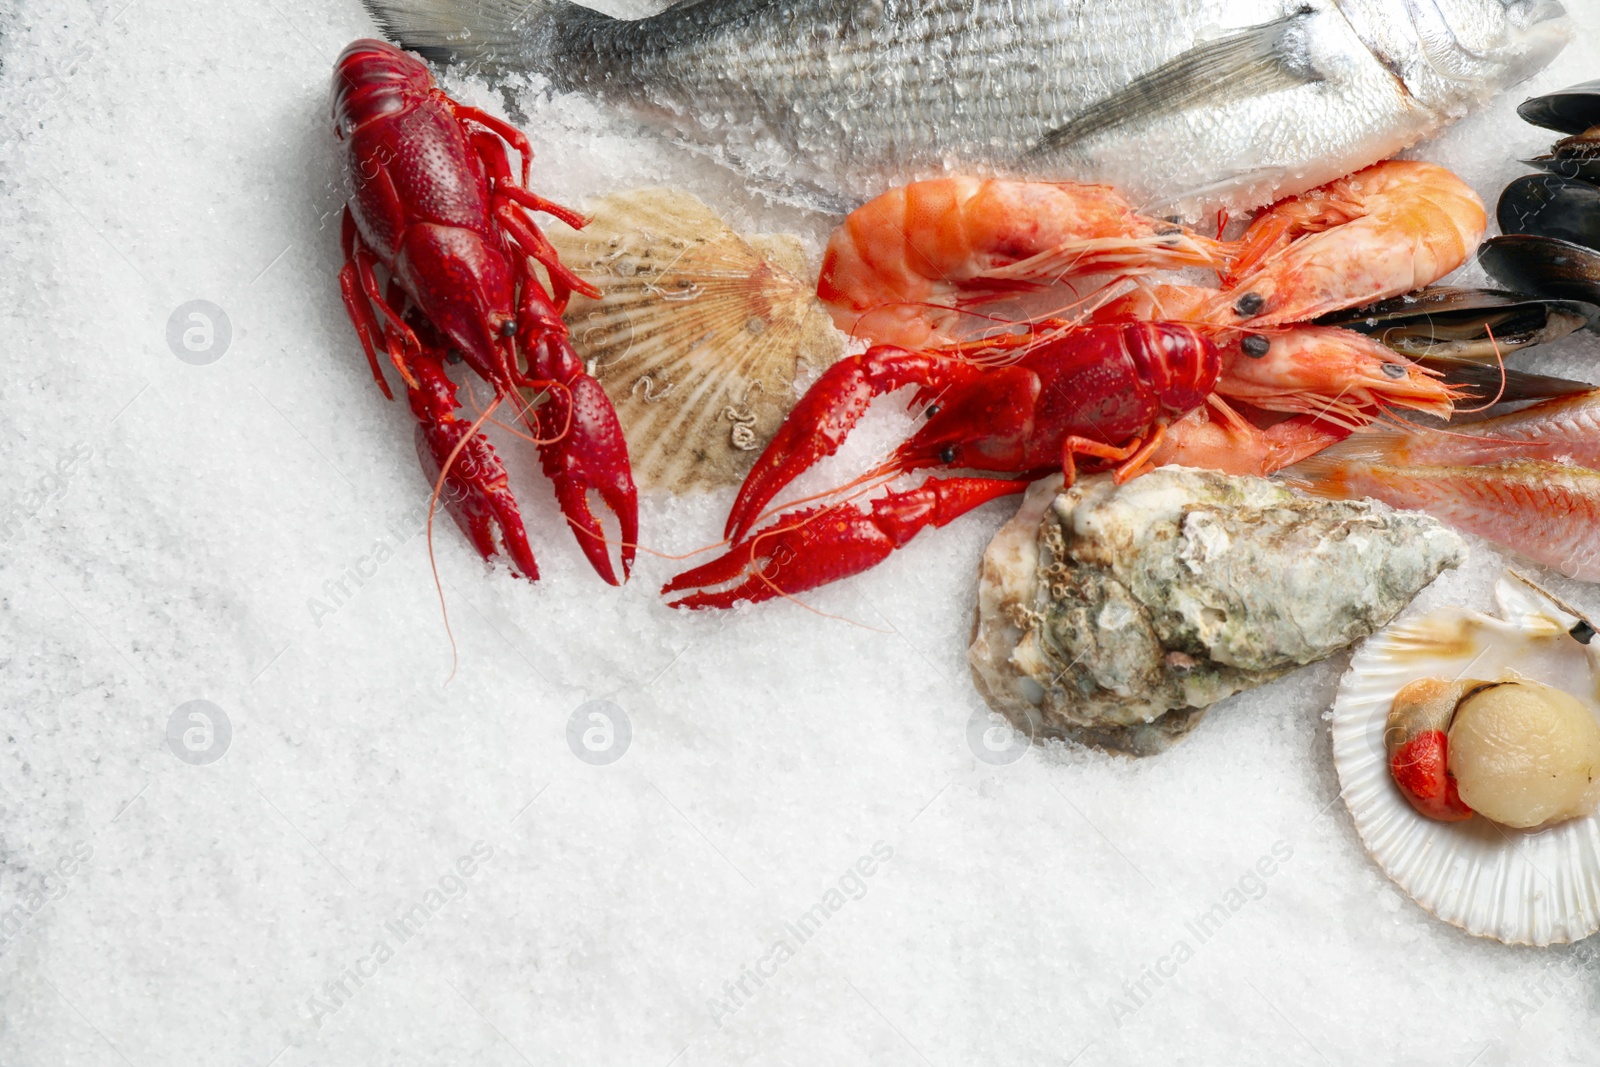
(698, 335)
(1522, 887)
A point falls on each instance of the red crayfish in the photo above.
(433, 201)
(1104, 391)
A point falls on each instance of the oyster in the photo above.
(1531, 886)
(1114, 616)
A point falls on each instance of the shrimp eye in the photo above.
(1255, 346)
(947, 454)
(1393, 370)
(1249, 304)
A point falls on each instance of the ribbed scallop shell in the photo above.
(1522, 887)
(698, 335)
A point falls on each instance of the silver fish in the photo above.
(1183, 104)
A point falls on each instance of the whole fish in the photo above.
(1565, 430)
(1181, 104)
(1547, 512)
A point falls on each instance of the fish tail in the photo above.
(479, 33)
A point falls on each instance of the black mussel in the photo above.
(1552, 206)
(1466, 324)
(1575, 111)
(1583, 168)
(1483, 381)
(1546, 266)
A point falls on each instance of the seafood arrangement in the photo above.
(1116, 616)
(1459, 710)
(433, 201)
(1251, 100)
(1223, 482)
(1159, 374)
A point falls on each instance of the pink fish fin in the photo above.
(1322, 475)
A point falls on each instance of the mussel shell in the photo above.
(1552, 206)
(1546, 266)
(1571, 110)
(1587, 170)
(1466, 324)
(1483, 380)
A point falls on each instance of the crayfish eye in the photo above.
(947, 454)
(508, 328)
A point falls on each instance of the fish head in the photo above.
(1452, 55)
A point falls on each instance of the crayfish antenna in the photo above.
(445, 472)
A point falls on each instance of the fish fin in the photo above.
(1370, 444)
(1253, 62)
(485, 33)
(698, 334)
(1320, 475)
(1243, 186)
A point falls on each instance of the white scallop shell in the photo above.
(698, 335)
(1522, 887)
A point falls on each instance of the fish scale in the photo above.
(1185, 105)
(1547, 512)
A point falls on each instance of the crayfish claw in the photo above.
(476, 491)
(582, 450)
(818, 425)
(802, 550)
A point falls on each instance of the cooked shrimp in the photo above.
(1338, 375)
(1380, 232)
(1218, 438)
(900, 268)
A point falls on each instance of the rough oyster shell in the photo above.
(1115, 616)
(1522, 887)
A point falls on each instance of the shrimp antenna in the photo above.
(1501, 362)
